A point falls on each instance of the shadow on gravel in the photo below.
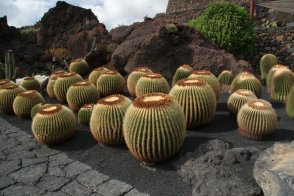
(277, 105)
(282, 135)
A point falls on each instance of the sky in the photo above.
(112, 13)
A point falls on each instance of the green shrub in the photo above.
(228, 26)
(171, 28)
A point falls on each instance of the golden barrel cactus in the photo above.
(51, 82)
(84, 114)
(7, 96)
(96, 73)
(225, 77)
(80, 66)
(182, 72)
(134, 77)
(267, 61)
(109, 83)
(30, 83)
(36, 108)
(271, 73)
(290, 103)
(5, 82)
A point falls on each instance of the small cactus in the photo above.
(290, 103)
(257, 119)
(109, 83)
(81, 93)
(154, 127)
(80, 66)
(84, 114)
(7, 96)
(197, 100)
(30, 83)
(106, 123)
(266, 63)
(5, 82)
(51, 82)
(238, 99)
(151, 83)
(225, 77)
(53, 124)
(271, 73)
(96, 73)
(134, 77)
(182, 72)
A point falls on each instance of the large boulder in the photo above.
(274, 169)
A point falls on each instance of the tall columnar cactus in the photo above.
(62, 84)
(151, 83)
(197, 100)
(246, 80)
(225, 77)
(106, 121)
(257, 119)
(154, 127)
(134, 77)
(282, 81)
(10, 69)
(81, 93)
(266, 63)
(182, 72)
(5, 82)
(271, 73)
(80, 66)
(109, 83)
(31, 83)
(290, 103)
(53, 124)
(96, 73)
(51, 82)
(7, 96)
(210, 78)
(37, 107)
(84, 114)
(25, 101)
(238, 99)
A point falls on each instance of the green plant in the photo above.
(60, 53)
(228, 26)
(171, 28)
(36, 108)
(269, 24)
(151, 83)
(154, 127)
(81, 93)
(25, 101)
(197, 100)
(112, 110)
(93, 45)
(7, 96)
(182, 72)
(53, 124)
(134, 77)
(270, 74)
(30, 83)
(51, 82)
(96, 73)
(84, 114)
(257, 119)
(80, 66)
(225, 77)
(267, 61)
(290, 103)
(10, 69)
(109, 83)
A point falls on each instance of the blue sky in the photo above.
(110, 12)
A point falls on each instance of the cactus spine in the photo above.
(10, 69)
(134, 77)
(266, 63)
(290, 103)
(30, 83)
(225, 77)
(109, 83)
(80, 66)
(53, 124)
(96, 73)
(197, 100)
(7, 96)
(154, 127)
(84, 114)
(112, 110)
(182, 72)
(257, 119)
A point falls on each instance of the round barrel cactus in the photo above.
(7, 96)
(151, 83)
(134, 77)
(246, 80)
(25, 101)
(109, 83)
(210, 78)
(30, 83)
(154, 127)
(5, 82)
(62, 84)
(81, 93)
(182, 72)
(80, 66)
(197, 100)
(96, 73)
(271, 73)
(257, 119)
(51, 82)
(267, 61)
(290, 103)
(53, 124)
(106, 122)
(84, 114)
(238, 99)
(36, 108)
(225, 77)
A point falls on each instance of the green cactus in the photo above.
(25, 101)
(151, 83)
(81, 93)
(225, 77)
(238, 99)
(210, 78)
(53, 124)
(271, 73)
(134, 77)
(112, 110)
(51, 82)
(197, 100)
(109, 83)
(80, 66)
(36, 108)
(257, 119)
(246, 80)
(62, 84)
(30, 83)
(10, 69)
(282, 81)
(84, 114)
(96, 73)
(182, 72)
(5, 82)
(290, 103)
(266, 63)
(7, 96)
(154, 127)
